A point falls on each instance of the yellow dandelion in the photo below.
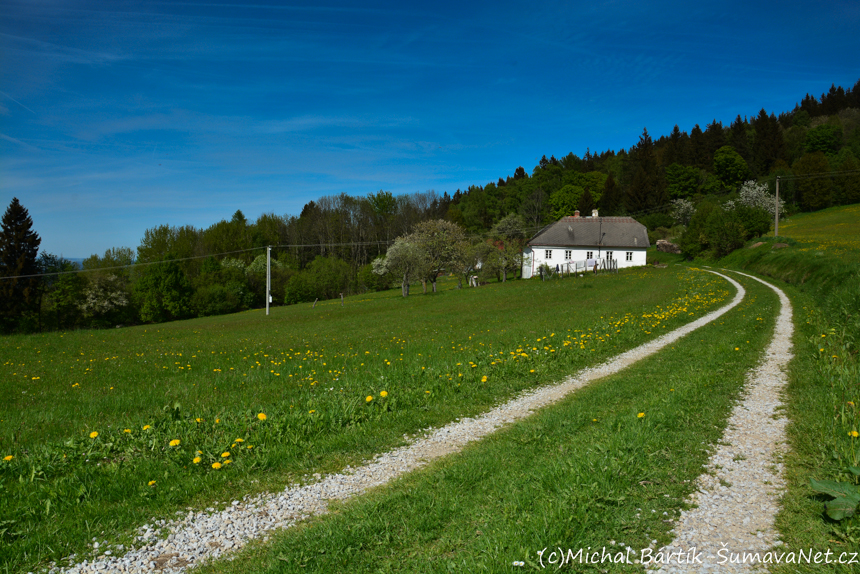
(383, 394)
(239, 440)
(199, 420)
(126, 430)
(484, 379)
(640, 415)
(250, 446)
(216, 465)
(217, 421)
(8, 458)
(151, 483)
(228, 461)
(94, 434)
(145, 427)
(368, 399)
(311, 412)
(174, 442)
(196, 460)
(261, 416)
(853, 434)
(225, 454)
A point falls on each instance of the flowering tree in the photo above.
(682, 211)
(752, 194)
(404, 259)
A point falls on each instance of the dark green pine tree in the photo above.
(698, 149)
(612, 201)
(19, 248)
(586, 203)
(642, 192)
(715, 138)
(768, 145)
(676, 148)
(740, 139)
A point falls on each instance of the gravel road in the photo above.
(738, 496)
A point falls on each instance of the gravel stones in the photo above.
(211, 534)
(738, 496)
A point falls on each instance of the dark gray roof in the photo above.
(585, 232)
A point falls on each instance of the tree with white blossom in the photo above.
(758, 195)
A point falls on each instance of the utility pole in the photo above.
(268, 277)
(776, 211)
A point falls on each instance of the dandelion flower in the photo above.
(174, 442)
(311, 412)
(250, 446)
(199, 420)
(216, 465)
(261, 416)
(196, 460)
(239, 440)
(225, 454)
(640, 415)
(217, 421)
(126, 430)
(383, 394)
(368, 399)
(145, 427)
(853, 434)
(228, 461)
(484, 379)
(94, 434)
(151, 483)
(8, 458)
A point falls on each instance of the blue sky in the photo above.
(117, 116)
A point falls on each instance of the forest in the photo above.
(673, 184)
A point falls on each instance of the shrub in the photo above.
(724, 231)
(216, 300)
(654, 220)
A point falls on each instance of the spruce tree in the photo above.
(612, 199)
(19, 248)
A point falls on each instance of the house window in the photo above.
(568, 254)
(589, 254)
(609, 256)
(548, 254)
(629, 256)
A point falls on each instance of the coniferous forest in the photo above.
(681, 185)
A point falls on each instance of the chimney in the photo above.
(593, 213)
(576, 213)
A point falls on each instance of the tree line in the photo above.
(331, 245)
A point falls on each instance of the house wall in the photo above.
(535, 256)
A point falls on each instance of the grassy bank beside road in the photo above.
(821, 271)
(102, 431)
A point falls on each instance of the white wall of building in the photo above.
(535, 256)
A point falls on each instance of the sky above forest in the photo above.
(119, 116)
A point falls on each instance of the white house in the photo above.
(579, 242)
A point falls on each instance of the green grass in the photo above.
(821, 268)
(835, 231)
(310, 371)
(586, 472)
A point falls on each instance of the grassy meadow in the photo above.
(102, 431)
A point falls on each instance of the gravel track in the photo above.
(738, 497)
(210, 534)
